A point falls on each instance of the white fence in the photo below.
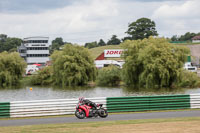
(194, 101)
(67, 106)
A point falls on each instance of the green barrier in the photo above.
(145, 103)
(4, 109)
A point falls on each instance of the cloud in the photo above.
(81, 21)
(80, 18)
(178, 18)
(32, 6)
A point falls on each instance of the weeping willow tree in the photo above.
(153, 62)
(72, 65)
(12, 67)
(43, 77)
(109, 76)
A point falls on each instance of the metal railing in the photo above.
(148, 103)
(113, 104)
(46, 107)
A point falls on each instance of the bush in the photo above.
(188, 79)
(73, 65)
(12, 67)
(109, 76)
(152, 62)
(43, 77)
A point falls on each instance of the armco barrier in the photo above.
(147, 103)
(195, 101)
(113, 104)
(46, 107)
(4, 109)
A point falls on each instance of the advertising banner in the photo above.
(113, 52)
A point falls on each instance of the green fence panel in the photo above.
(4, 109)
(145, 103)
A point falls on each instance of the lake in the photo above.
(44, 93)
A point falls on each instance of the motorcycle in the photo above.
(83, 110)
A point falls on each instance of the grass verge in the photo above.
(108, 126)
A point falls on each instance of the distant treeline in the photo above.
(186, 37)
(9, 44)
(139, 29)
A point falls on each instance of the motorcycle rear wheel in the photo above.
(80, 114)
(103, 113)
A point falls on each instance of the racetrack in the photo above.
(113, 117)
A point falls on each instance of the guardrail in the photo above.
(46, 107)
(4, 109)
(113, 104)
(148, 103)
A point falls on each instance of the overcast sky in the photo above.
(81, 21)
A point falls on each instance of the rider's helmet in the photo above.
(81, 99)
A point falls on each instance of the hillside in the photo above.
(95, 52)
(194, 48)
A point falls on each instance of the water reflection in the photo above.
(54, 92)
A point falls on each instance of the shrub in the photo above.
(152, 62)
(12, 67)
(43, 77)
(72, 65)
(109, 76)
(188, 79)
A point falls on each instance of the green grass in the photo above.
(95, 52)
(88, 127)
(185, 44)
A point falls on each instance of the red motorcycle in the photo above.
(83, 110)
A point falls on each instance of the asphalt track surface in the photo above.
(113, 117)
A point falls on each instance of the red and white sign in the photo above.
(113, 52)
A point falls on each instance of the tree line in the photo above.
(139, 29)
(9, 44)
(149, 63)
(186, 37)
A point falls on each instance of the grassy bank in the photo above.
(150, 125)
(95, 52)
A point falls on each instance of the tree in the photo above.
(43, 77)
(101, 43)
(114, 41)
(56, 44)
(142, 28)
(3, 37)
(72, 65)
(187, 36)
(59, 41)
(127, 38)
(8, 43)
(110, 75)
(12, 67)
(174, 38)
(11, 43)
(153, 62)
(91, 45)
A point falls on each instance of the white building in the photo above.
(196, 39)
(110, 57)
(35, 50)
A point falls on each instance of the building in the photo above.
(35, 50)
(196, 39)
(110, 57)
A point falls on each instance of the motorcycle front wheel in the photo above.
(80, 114)
(103, 113)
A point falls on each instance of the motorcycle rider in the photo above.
(88, 102)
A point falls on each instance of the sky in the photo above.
(81, 21)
